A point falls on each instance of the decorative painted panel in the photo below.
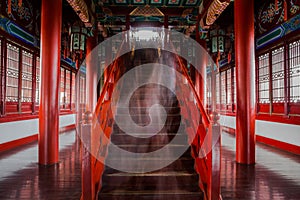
(22, 15)
(291, 25)
(271, 14)
(138, 2)
(294, 7)
(192, 2)
(16, 31)
(121, 2)
(173, 2)
(156, 2)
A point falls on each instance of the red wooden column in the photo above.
(51, 21)
(200, 75)
(92, 71)
(245, 72)
(88, 161)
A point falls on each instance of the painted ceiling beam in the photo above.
(126, 10)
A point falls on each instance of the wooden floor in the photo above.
(276, 175)
(22, 178)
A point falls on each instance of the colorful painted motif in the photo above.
(191, 2)
(156, 2)
(22, 15)
(272, 14)
(294, 7)
(291, 25)
(121, 2)
(174, 2)
(16, 31)
(138, 2)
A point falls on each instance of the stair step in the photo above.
(146, 121)
(166, 128)
(173, 176)
(176, 161)
(141, 148)
(180, 164)
(145, 110)
(160, 181)
(157, 195)
(146, 139)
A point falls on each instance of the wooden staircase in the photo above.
(177, 180)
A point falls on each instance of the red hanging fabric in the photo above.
(285, 10)
(20, 3)
(8, 6)
(276, 4)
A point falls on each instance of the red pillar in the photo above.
(51, 21)
(91, 72)
(245, 72)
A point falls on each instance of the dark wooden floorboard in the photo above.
(276, 175)
(22, 178)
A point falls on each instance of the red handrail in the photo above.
(90, 170)
(205, 116)
(211, 165)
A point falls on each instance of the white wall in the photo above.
(10, 131)
(287, 133)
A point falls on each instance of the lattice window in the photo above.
(263, 79)
(234, 85)
(229, 92)
(208, 88)
(82, 89)
(294, 52)
(223, 87)
(12, 76)
(26, 90)
(68, 87)
(38, 80)
(278, 75)
(218, 88)
(62, 87)
(73, 88)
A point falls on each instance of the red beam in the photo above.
(51, 21)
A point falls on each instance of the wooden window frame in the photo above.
(14, 111)
(286, 111)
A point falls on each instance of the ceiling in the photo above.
(180, 13)
(113, 15)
